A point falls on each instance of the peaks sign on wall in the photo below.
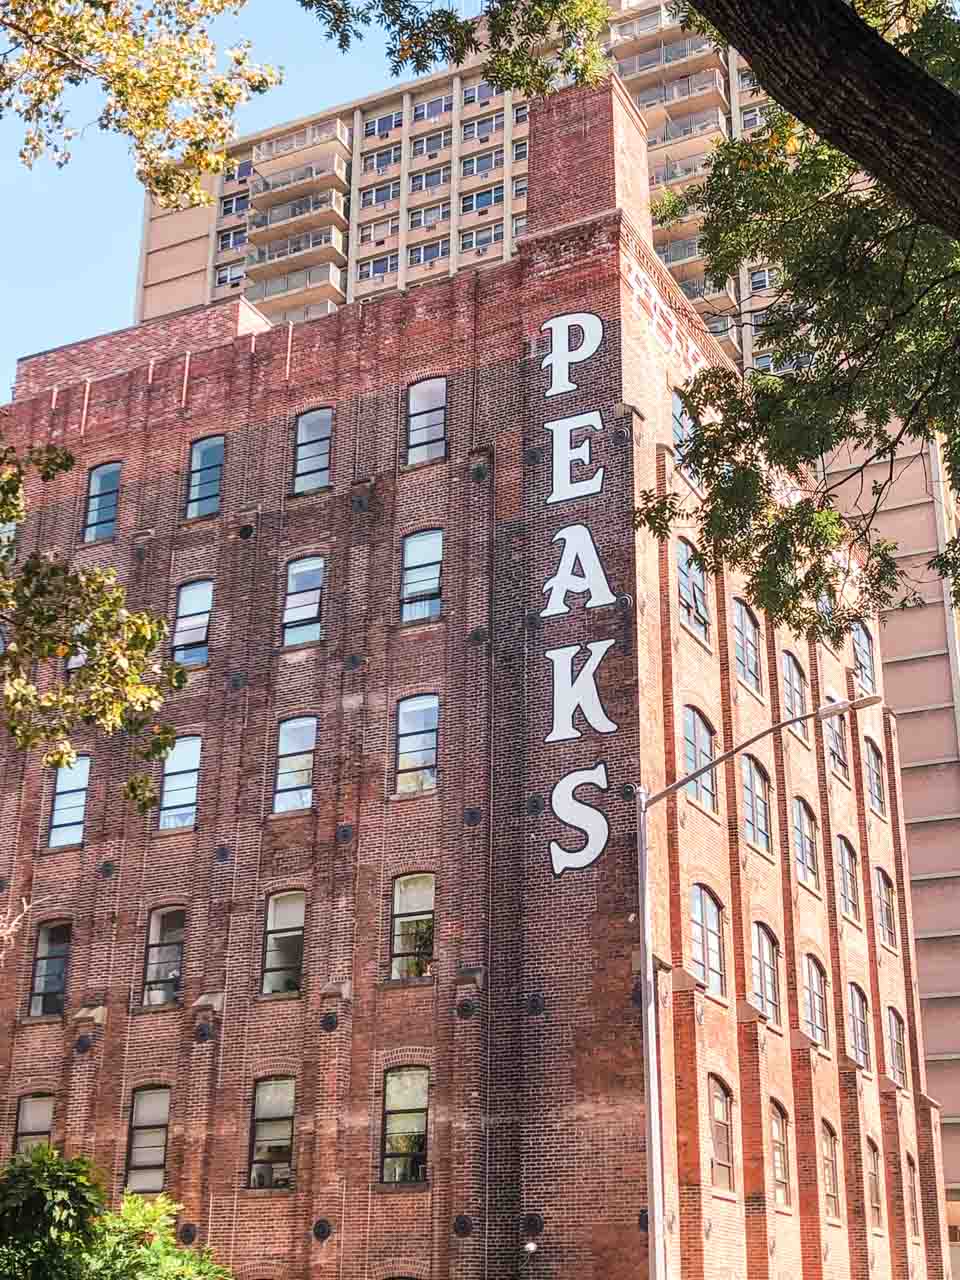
(579, 573)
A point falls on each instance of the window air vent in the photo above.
(432, 155)
(378, 243)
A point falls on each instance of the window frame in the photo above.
(291, 1185)
(72, 791)
(816, 1009)
(714, 978)
(180, 652)
(795, 687)
(864, 662)
(421, 597)
(693, 592)
(91, 497)
(782, 1191)
(755, 798)
(286, 755)
(835, 728)
(886, 908)
(180, 773)
(299, 445)
(873, 763)
(805, 843)
(149, 983)
(747, 646)
(35, 1137)
(268, 933)
(193, 470)
(858, 1022)
(717, 1089)
(874, 1196)
(395, 916)
(767, 969)
(913, 1199)
(411, 422)
(37, 993)
(848, 864)
(316, 620)
(897, 1048)
(830, 1168)
(702, 789)
(397, 772)
(133, 1128)
(424, 1111)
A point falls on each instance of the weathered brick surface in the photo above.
(530, 1112)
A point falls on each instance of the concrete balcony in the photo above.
(713, 295)
(641, 29)
(685, 133)
(268, 189)
(326, 210)
(322, 283)
(298, 315)
(314, 138)
(304, 250)
(726, 332)
(694, 53)
(683, 169)
(675, 252)
(705, 89)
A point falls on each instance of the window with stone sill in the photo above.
(296, 740)
(283, 943)
(50, 964)
(831, 1177)
(706, 939)
(779, 1142)
(147, 1143)
(756, 803)
(815, 1022)
(766, 976)
(69, 803)
(721, 1134)
(692, 590)
(875, 788)
(873, 1184)
(886, 909)
(863, 659)
(848, 864)
(403, 1150)
(34, 1122)
(795, 694)
(412, 929)
(859, 1016)
(271, 1134)
(746, 645)
(698, 750)
(805, 843)
(897, 1047)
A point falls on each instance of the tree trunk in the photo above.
(836, 74)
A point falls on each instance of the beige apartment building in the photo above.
(430, 177)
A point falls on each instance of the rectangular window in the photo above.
(520, 150)
(383, 194)
(431, 143)
(746, 645)
(485, 199)
(382, 160)
(271, 1139)
(836, 735)
(234, 238)
(301, 606)
(520, 224)
(283, 943)
(181, 771)
(372, 232)
(429, 216)
(417, 729)
(831, 1185)
(886, 911)
(230, 206)
(763, 278)
(49, 982)
(863, 657)
(232, 275)
(751, 118)
(912, 1196)
(34, 1123)
(411, 934)
(163, 969)
(849, 879)
(481, 238)
(692, 590)
(103, 497)
(311, 463)
(521, 113)
(432, 107)
(427, 421)
(483, 127)
(520, 187)
(378, 268)
(380, 126)
(478, 93)
(483, 162)
(192, 625)
(781, 1156)
(430, 179)
(815, 1003)
(721, 1130)
(296, 741)
(875, 778)
(795, 694)
(147, 1156)
(420, 598)
(69, 803)
(206, 474)
(404, 1145)
(420, 254)
(898, 1048)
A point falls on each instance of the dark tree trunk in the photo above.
(836, 74)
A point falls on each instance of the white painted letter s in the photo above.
(583, 817)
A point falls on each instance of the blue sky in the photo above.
(72, 235)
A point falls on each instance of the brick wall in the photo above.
(529, 1019)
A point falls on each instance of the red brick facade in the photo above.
(529, 1018)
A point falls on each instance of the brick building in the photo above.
(362, 994)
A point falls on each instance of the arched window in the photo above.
(311, 450)
(831, 1177)
(859, 1026)
(721, 1133)
(766, 980)
(69, 803)
(756, 802)
(271, 1133)
(848, 863)
(420, 589)
(815, 1002)
(698, 740)
(746, 645)
(706, 939)
(692, 587)
(418, 722)
(897, 1044)
(805, 842)
(912, 1197)
(34, 1122)
(50, 962)
(296, 740)
(191, 628)
(863, 657)
(873, 1184)
(427, 420)
(682, 431)
(283, 943)
(795, 693)
(886, 910)
(163, 965)
(103, 497)
(404, 1142)
(147, 1144)
(411, 948)
(874, 762)
(301, 604)
(206, 473)
(835, 728)
(181, 772)
(779, 1142)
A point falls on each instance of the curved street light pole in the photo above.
(656, 1250)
